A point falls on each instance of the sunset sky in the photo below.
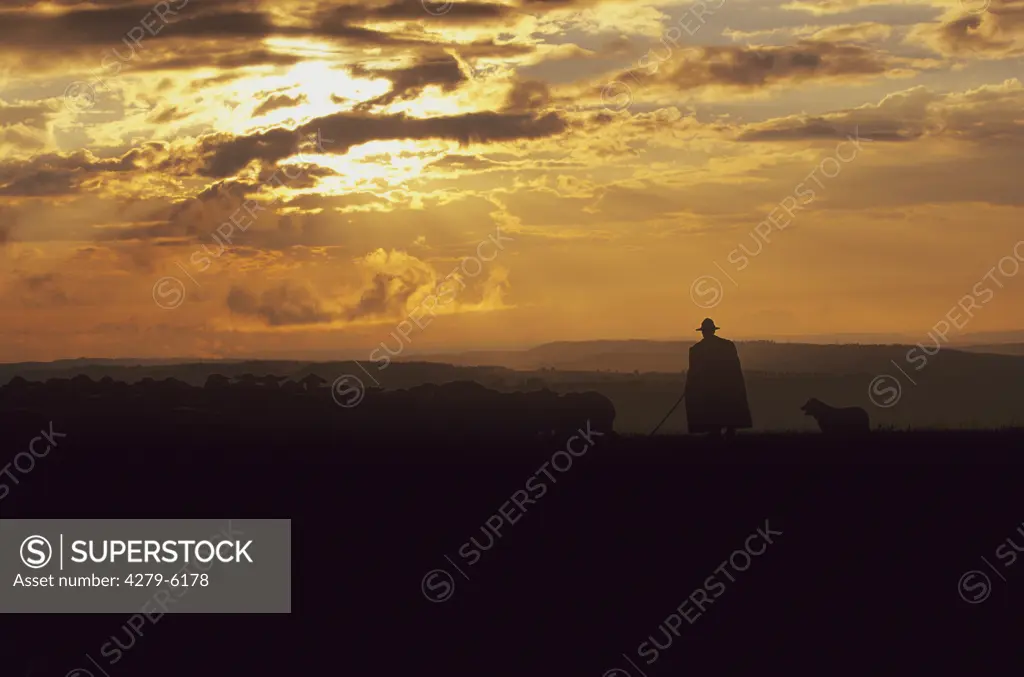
(589, 169)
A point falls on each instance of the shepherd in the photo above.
(715, 393)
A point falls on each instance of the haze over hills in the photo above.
(625, 355)
(643, 356)
(672, 356)
(967, 339)
(996, 349)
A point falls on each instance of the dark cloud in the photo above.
(61, 174)
(144, 5)
(527, 95)
(408, 83)
(41, 183)
(279, 306)
(412, 10)
(995, 33)
(277, 102)
(344, 130)
(167, 114)
(106, 39)
(22, 138)
(988, 115)
(388, 294)
(25, 126)
(751, 68)
(40, 291)
(809, 129)
(129, 30)
(221, 33)
(214, 56)
(34, 115)
(195, 218)
(222, 155)
(104, 26)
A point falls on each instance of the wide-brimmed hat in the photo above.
(708, 325)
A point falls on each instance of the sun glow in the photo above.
(318, 89)
(376, 167)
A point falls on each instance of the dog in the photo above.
(833, 421)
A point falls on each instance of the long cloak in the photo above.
(716, 393)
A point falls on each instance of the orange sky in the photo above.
(234, 177)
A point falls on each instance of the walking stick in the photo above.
(669, 413)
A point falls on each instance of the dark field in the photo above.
(875, 537)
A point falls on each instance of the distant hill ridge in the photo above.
(764, 356)
(668, 357)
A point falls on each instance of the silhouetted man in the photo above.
(716, 394)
